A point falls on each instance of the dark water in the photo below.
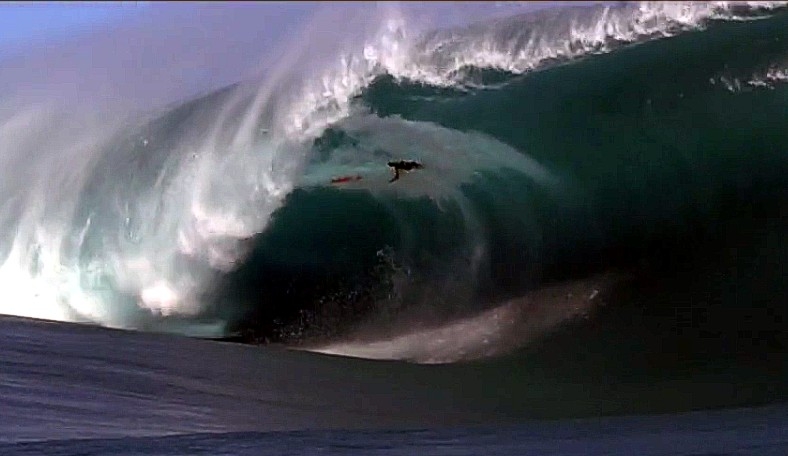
(739, 432)
(77, 390)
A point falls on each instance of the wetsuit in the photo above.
(403, 165)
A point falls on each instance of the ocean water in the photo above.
(71, 389)
(595, 240)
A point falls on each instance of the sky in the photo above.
(25, 23)
(149, 53)
(157, 51)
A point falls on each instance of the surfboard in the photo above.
(345, 179)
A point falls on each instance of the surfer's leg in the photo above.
(396, 175)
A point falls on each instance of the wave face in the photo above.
(630, 155)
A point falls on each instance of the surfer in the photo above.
(403, 165)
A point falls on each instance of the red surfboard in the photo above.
(345, 179)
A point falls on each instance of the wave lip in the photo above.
(527, 42)
(517, 44)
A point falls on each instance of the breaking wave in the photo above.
(567, 149)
